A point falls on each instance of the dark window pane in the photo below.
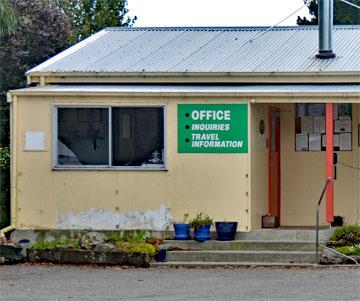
(138, 136)
(83, 136)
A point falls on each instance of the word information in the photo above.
(212, 128)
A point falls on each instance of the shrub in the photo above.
(349, 233)
(349, 250)
(137, 247)
(4, 157)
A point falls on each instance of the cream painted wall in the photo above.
(217, 184)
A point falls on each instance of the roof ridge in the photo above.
(226, 28)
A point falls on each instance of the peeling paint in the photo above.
(100, 219)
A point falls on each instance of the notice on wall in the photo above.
(315, 142)
(317, 109)
(342, 126)
(212, 128)
(302, 142)
(34, 141)
(336, 111)
(307, 125)
(319, 124)
(345, 142)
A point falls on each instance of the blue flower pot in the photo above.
(161, 256)
(182, 231)
(202, 233)
(225, 230)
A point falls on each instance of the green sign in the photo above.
(212, 128)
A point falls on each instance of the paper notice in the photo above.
(301, 110)
(342, 126)
(307, 125)
(336, 111)
(317, 109)
(34, 141)
(302, 142)
(319, 124)
(315, 142)
(345, 142)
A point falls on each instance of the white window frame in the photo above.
(55, 164)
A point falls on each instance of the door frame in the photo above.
(278, 146)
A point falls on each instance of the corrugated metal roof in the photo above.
(195, 89)
(230, 49)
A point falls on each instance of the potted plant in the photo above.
(182, 229)
(225, 230)
(201, 224)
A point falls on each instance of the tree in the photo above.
(90, 16)
(41, 31)
(343, 13)
(8, 18)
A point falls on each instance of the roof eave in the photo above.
(36, 77)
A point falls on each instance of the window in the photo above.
(128, 137)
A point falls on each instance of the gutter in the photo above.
(259, 97)
(38, 77)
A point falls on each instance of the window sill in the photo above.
(106, 168)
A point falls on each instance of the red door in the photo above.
(274, 162)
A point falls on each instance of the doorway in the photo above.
(274, 163)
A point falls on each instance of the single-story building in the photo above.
(133, 127)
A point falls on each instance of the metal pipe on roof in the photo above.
(325, 16)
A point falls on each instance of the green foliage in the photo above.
(132, 242)
(4, 157)
(344, 14)
(42, 30)
(52, 244)
(349, 250)
(137, 247)
(114, 239)
(185, 218)
(349, 233)
(129, 236)
(201, 219)
(8, 18)
(90, 16)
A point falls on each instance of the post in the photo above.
(330, 162)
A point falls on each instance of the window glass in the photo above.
(138, 136)
(83, 136)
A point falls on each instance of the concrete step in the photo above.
(241, 256)
(210, 264)
(284, 234)
(240, 245)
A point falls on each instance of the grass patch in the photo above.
(137, 247)
(134, 243)
(52, 244)
(349, 233)
(349, 250)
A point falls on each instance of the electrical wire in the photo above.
(348, 166)
(278, 23)
(351, 4)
